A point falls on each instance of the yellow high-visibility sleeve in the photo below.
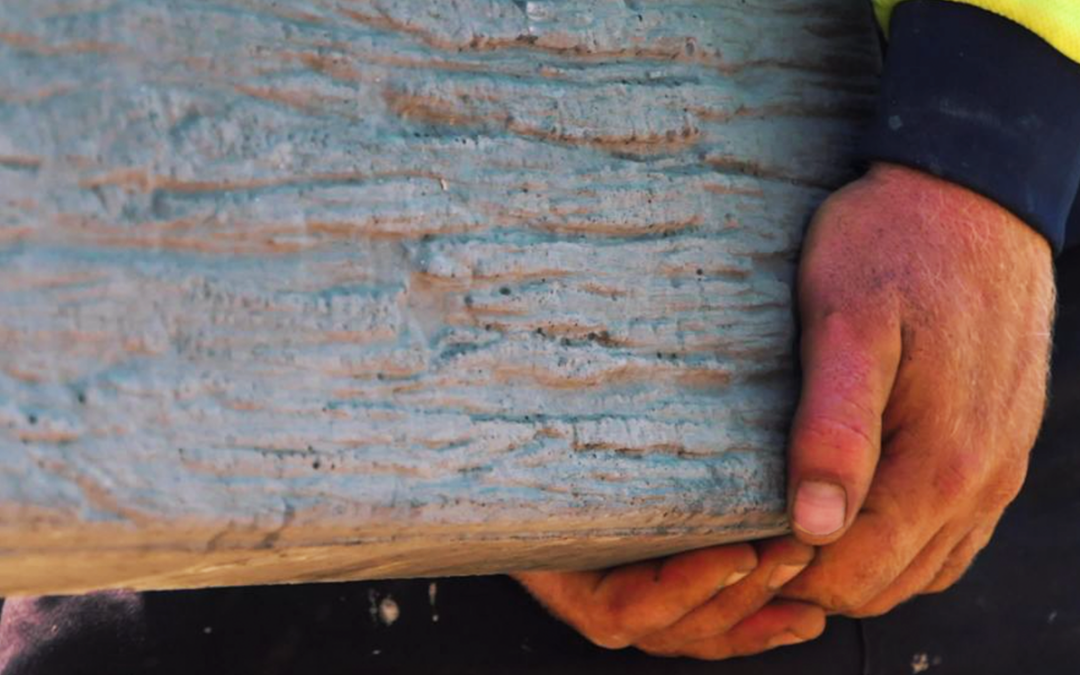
(1056, 21)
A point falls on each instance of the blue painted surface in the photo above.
(327, 268)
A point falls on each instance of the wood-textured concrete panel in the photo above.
(336, 289)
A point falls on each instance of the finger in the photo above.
(779, 561)
(918, 575)
(639, 601)
(779, 623)
(615, 607)
(571, 596)
(960, 560)
(907, 505)
(849, 366)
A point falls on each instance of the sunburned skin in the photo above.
(926, 312)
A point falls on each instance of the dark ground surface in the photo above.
(1016, 612)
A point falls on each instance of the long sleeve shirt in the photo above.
(986, 93)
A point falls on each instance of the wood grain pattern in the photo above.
(329, 289)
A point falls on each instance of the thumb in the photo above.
(849, 366)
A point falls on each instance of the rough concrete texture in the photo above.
(331, 289)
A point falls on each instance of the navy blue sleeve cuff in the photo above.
(983, 102)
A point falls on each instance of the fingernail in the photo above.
(734, 578)
(784, 639)
(783, 574)
(820, 508)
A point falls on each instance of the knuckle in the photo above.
(1007, 483)
(948, 576)
(958, 475)
(857, 585)
(959, 562)
(839, 447)
(943, 584)
(617, 627)
(837, 596)
(605, 637)
(839, 435)
(886, 600)
(848, 599)
(1000, 496)
(602, 626)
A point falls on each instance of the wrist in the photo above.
(943, 212)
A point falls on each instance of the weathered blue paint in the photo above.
(478, 285)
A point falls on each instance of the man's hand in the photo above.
(926, 313)
(711, 604)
